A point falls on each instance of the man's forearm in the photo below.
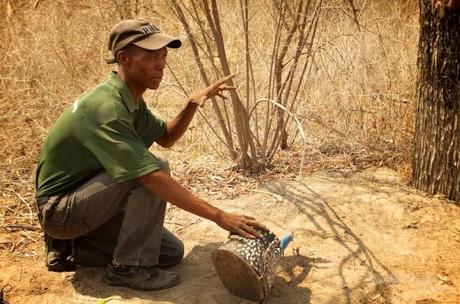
(168, 189)
(176, 127)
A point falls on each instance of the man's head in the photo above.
(140, 50)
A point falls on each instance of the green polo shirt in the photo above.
(105, 129)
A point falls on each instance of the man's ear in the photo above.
(123, 57)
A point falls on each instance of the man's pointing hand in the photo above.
(213, 90)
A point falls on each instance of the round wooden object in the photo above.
(237, 275)
(246, 266)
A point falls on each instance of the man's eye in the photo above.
(157, 55)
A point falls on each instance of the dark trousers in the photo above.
(123, 220)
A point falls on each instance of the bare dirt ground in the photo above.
(359, 238)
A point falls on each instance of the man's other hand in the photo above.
(213, 90)
(240, 224)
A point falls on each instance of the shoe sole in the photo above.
(61, 268)
(172, 284)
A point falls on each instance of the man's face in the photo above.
(145, 68)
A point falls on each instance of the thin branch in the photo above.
(23, 226)
(354, 14)
(227, 135)
(199, 112)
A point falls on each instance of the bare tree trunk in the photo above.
(436, 163)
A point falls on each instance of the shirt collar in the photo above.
(122, 88)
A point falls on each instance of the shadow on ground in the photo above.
(328, 223)
(200, 283)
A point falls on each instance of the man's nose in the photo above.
(161, 64)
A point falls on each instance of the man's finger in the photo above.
(226, 88)
(249, 217)
(223, 80)
(252, 231)
(258, 225)
(245, 234)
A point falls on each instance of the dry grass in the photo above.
(357, 108)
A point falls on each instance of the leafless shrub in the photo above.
(252, 129)
(356, 100)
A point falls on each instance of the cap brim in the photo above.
(158, 41)
(154, 42)
(110, 60)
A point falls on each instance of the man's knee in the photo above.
(172, 249)
(180, 250)
(163, 162)
(176, 256)
(177, 252)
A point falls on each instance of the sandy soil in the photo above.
(359, 238)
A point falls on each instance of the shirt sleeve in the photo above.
(120, 150)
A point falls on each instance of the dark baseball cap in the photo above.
(140, 33)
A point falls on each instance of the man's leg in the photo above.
(76, 213)
(161, 247)
(90, 206)
(172, 249)
(96, 248)
(61, 225)
(140, 243)
(58, 254)
(117, 236)
(139, 240)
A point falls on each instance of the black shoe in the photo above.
(141, 277)
(58, 255)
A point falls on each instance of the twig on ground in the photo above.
(27, 205)
(23, 226)
(278, 198)
(183, 226)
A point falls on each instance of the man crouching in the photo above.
(99, 186)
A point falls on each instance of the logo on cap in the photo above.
(150, 29)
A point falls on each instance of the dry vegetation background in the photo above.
(357, 110)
